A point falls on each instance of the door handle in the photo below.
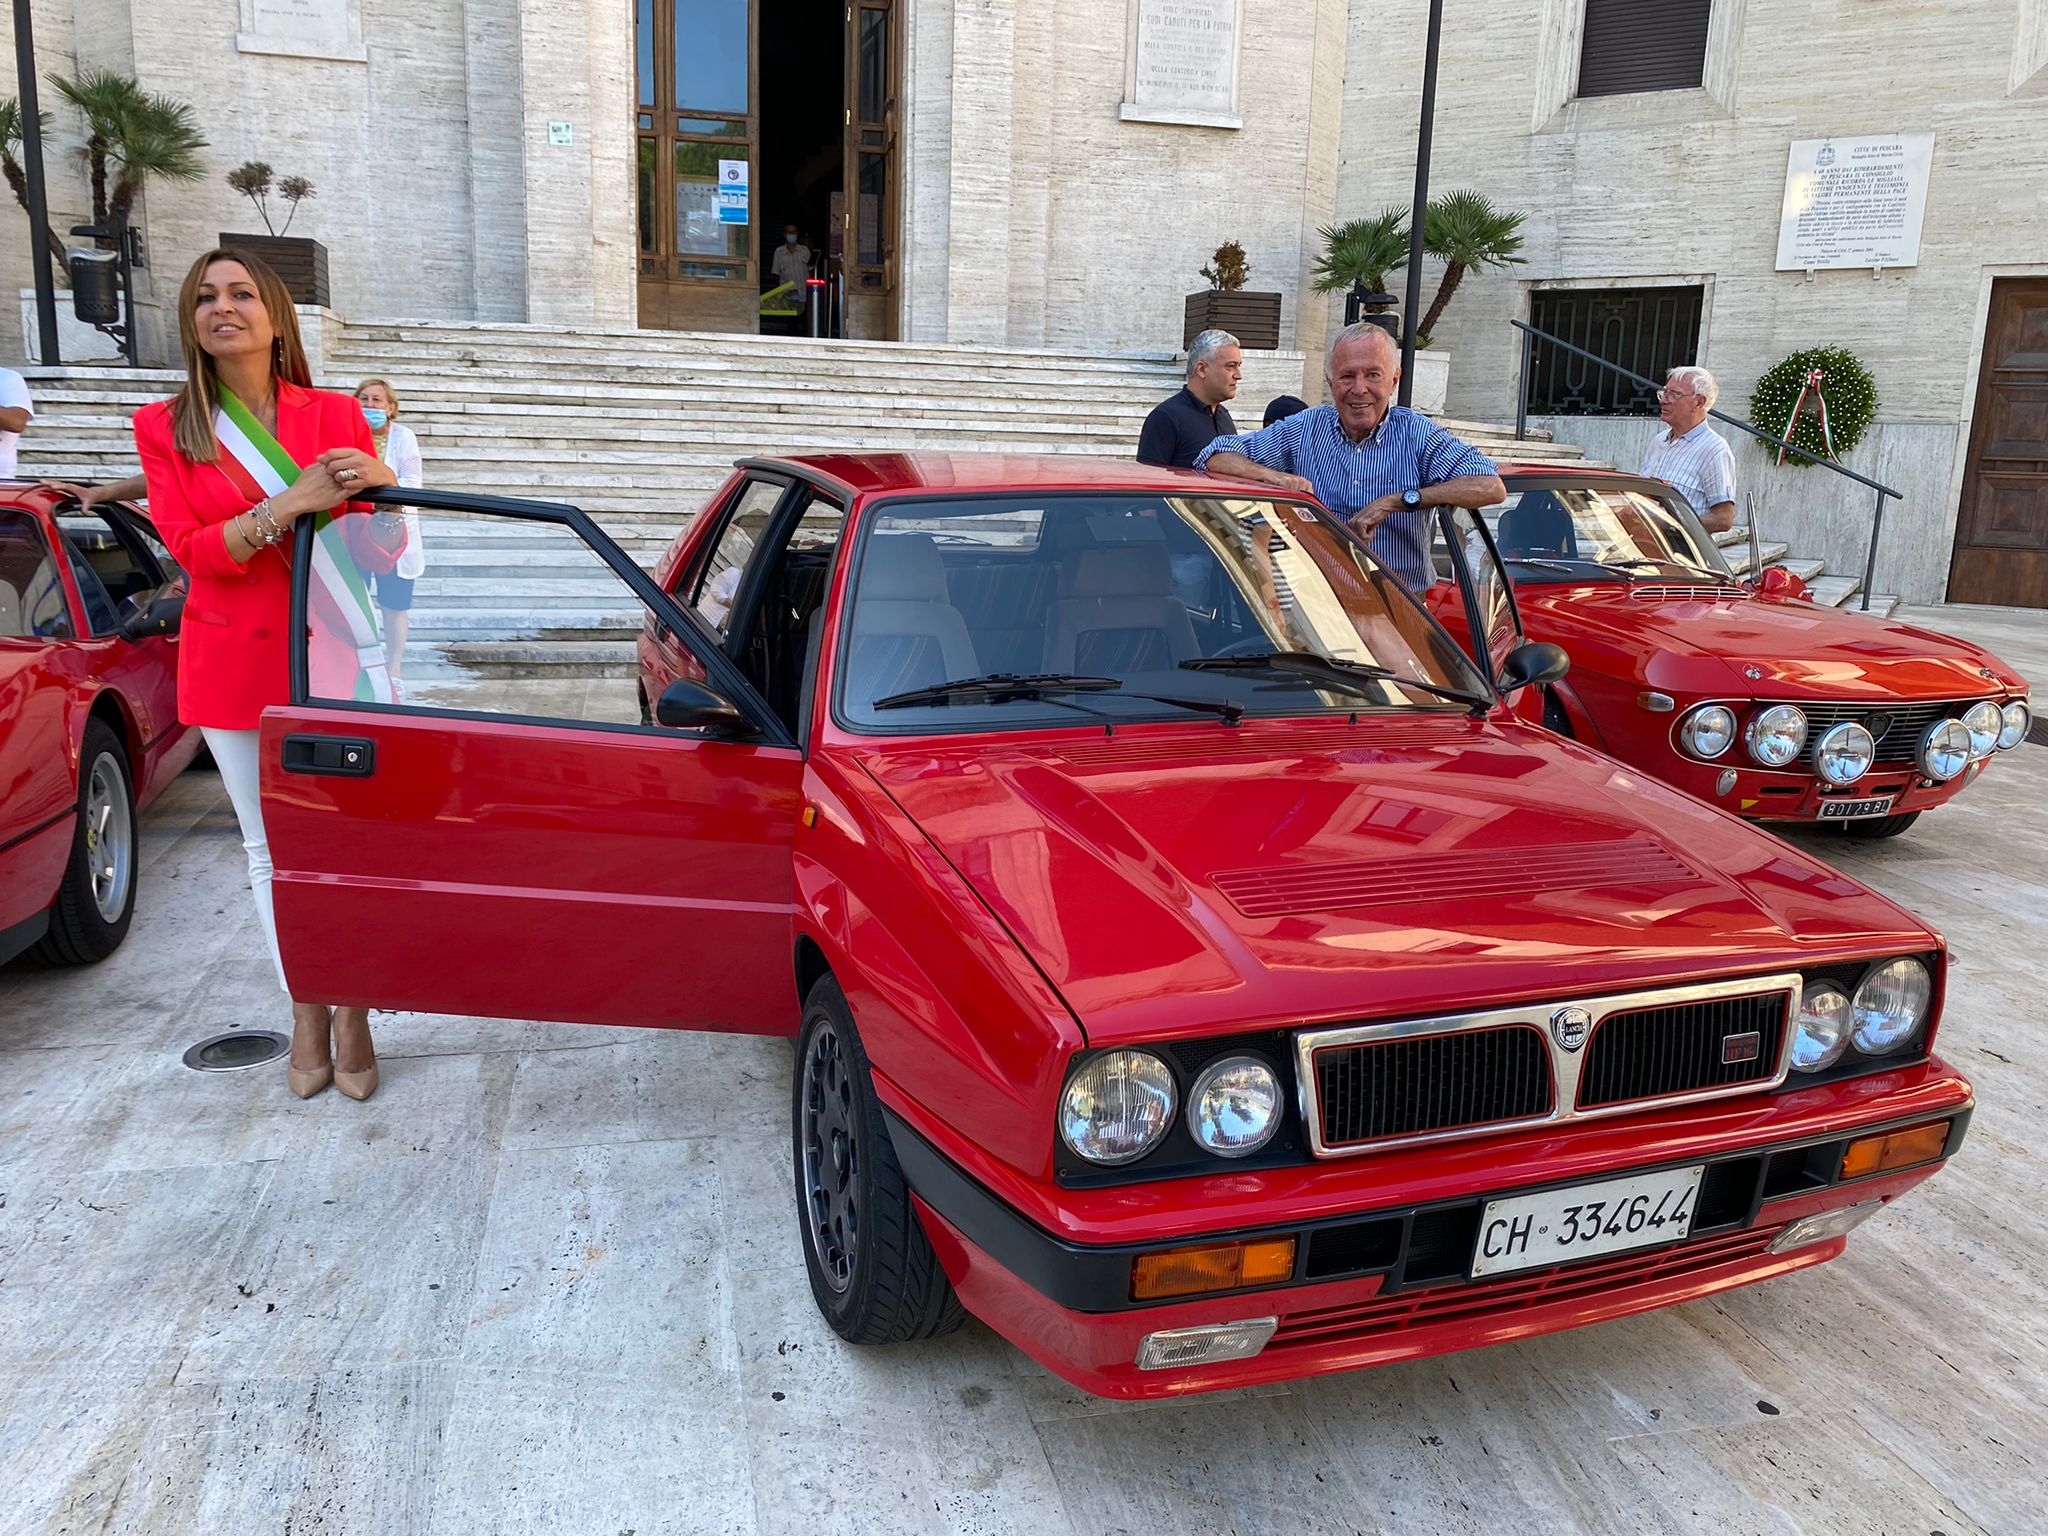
(345, 757)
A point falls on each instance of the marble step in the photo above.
(531, 658)
(1738, 558)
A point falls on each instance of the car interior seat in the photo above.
(10, 611)
(1117, 614)
(906, 632)
(1537, 526)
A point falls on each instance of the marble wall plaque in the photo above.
(1854, 202)
(1183, 62)
(306, 29)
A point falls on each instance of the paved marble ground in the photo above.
(548, 1280)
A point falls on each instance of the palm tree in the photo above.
(1365, 250)
(1468, 233)
(131, 135)
(17, 178)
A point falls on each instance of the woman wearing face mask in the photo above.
(244, 451)
(398, 447)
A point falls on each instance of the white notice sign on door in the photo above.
(1854, 202)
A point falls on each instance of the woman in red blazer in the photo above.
(238, 456)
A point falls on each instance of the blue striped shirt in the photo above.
(1700, 464)
(1406, 451)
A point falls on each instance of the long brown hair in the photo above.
(192, 410)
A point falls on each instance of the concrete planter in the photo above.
(79, 342)
(1432, 380)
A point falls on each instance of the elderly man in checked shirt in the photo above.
(1379, 465)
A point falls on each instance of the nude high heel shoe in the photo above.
(307, 1081)
(360, 1084)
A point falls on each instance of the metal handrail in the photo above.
(1529, 336)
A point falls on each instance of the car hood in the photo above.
(1181, 881)
(1798, 648)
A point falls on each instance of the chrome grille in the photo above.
(1901, 724)
(1376, 1090)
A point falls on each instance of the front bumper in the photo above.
(1388, 1281)
(1763, 794)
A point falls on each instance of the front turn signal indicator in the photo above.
(1897, 1149)
(1212, 1267)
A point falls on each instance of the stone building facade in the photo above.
(1054, 173)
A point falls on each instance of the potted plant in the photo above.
(298, 259)
(1253, 318)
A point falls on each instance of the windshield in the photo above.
(1585, 533)
(1061, 609)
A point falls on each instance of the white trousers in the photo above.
(241, 771)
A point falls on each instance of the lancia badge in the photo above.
(1754, 674)
(1570, 1026)
(1879, 725)
(1746, 1046)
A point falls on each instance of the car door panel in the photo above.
(513, 866)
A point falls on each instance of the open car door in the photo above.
(1482, 615)
(498, 834)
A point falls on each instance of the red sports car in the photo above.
(1744, 693)
(89, 727)
(1197, 971)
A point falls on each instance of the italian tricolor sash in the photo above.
(337, 598)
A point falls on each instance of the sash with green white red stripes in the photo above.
(258, 466)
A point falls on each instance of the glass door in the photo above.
(872, 211)
(698, 133)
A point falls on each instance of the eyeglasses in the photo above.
(1668, 393)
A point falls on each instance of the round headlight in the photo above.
(1708, 732)
(1844, 753)
(1944, 750)
(1234, 1107)
(1891, 1005)
(1776, 735)
(1117, 1107)
(1821, 1032)
(1984, 721)
(2015, 721)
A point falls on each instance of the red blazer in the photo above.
(232, 655)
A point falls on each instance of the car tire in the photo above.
(1873, 827)
(96, 901)
(873, 1272)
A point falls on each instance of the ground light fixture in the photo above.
(237, 1050)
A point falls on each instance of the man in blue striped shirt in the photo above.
(1379, 465)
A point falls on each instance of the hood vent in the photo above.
(1354, 742)
(1677, 594)
(1479, 874)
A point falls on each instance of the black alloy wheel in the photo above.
(96, 901)
(873, 1272)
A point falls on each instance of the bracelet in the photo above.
(264, 516)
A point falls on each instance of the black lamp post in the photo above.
(1421, 209)
(32, 174)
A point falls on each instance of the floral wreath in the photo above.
(1824, 395)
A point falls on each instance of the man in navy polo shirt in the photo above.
(1378, 465)
(1183, 425)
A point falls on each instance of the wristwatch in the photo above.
(1412, 499)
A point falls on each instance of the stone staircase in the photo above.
(639, 428)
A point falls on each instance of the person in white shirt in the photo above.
(792, 263)
(1689, 453)
(16, 411)
(399, 448)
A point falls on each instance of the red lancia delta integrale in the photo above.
(89, 732)
(1197, 971)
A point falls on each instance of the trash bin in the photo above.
(95, 286)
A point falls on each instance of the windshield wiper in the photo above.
(1002, 687)
(1355, 676)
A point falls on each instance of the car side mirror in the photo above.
(689, 705)
(153, 613)
(1776, 581)
(1533, 661)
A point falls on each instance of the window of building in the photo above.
(1643, 45)
(1648, 331)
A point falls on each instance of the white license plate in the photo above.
(1851, 810)
(1560, 1225)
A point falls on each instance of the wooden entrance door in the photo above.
(2001, 553)
(697, 118)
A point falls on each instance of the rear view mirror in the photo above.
(690, 706)
(1534, 661)
(156, 612)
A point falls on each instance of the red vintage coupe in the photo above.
(89, 727)
(1197, 971)
(1744, 693)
